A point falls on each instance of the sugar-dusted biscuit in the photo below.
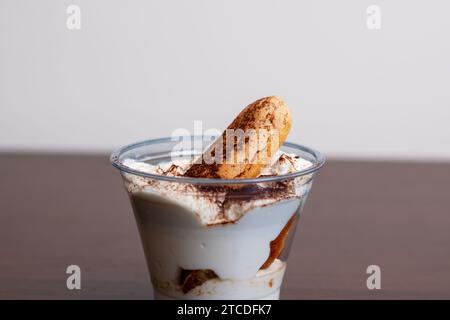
(265, 125)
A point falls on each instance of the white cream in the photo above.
(234, 251)
(284, 163)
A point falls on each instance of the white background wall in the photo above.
(139, 69)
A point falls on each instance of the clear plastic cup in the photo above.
(214, 238)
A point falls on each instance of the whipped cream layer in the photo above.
(174, 239)
(281, 163)
(217, 205)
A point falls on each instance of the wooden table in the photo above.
(59, 210)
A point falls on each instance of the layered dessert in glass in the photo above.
(220, 229)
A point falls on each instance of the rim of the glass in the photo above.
(114, 158)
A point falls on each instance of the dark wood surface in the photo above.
(60, 210)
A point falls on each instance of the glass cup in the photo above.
(214, 238)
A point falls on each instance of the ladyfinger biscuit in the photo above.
(248, 143)
(192, 278)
